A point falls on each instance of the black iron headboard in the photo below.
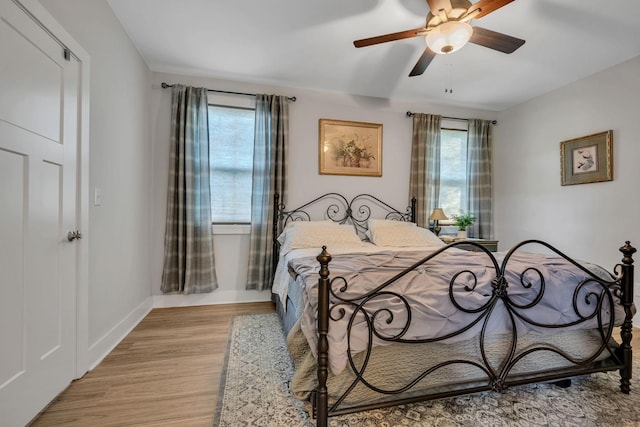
(337, 208)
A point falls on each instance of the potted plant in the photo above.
(462, 221)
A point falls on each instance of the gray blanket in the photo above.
(427, 288)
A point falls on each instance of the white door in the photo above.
(39, 101)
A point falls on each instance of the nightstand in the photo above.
(491, 245)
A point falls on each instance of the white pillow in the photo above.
(305, 225)
(315, 236)
(383, 232)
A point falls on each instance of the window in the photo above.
(231, 133)
(453, 171)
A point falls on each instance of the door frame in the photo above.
(41, 16)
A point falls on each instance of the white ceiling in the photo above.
(309, 44)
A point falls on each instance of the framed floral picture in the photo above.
(350, 148)
(587, 159)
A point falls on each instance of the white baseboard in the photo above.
(215, 297)
(101, 348)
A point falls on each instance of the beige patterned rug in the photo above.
(254, 392)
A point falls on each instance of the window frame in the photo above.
(216, 99)
(454, 125)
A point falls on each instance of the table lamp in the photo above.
(436, 216)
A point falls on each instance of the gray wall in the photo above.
(120, 165)
(129, 158)
(589, 221)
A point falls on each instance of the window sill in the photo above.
(230, 229)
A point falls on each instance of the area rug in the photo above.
(257, 369)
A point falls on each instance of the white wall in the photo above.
(129, 157)
(304, 180)
(120, 165)
(587, 221)
(127, 230)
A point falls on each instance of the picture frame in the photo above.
(349, 148)
(587, 159)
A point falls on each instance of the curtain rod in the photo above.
(493, 122)
(290, 98)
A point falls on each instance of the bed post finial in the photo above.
(321, 402)
(627, 302)
(324, 258)
(628, 251)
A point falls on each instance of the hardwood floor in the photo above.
(166, 372)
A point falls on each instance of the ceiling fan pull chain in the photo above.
(448, 77)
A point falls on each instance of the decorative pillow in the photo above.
(383, 232)
(315, 236)
(297, 225)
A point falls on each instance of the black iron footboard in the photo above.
(600, 294)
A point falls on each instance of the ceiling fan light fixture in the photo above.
(449, 37)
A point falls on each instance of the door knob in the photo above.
(73, 235)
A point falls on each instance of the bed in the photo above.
(380, 312)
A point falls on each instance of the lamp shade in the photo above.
(449, 37)
(437, 214)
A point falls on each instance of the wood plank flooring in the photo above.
(166, 372)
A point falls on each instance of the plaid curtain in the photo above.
(424, 179)
(269, 177)
(479, 178)
(188, 243)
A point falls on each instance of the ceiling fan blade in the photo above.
(494, 40)
(424, 61)
(436, 5)
(487, 6)
(390, 37)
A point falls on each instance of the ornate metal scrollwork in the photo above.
(500, 285)
(597, 293)
(339, 209)
(498, 385)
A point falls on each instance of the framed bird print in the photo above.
(587, 159)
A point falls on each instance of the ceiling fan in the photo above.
(447, 29)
